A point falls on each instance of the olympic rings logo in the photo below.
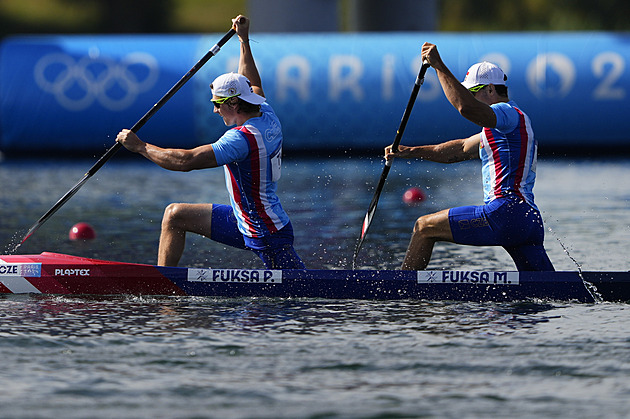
(77, 84)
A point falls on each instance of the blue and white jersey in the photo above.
(508, 154)
(251, 155)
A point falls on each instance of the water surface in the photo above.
(185, 357)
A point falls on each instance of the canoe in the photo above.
(61, 274)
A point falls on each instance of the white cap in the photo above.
(234, 84)
(484, 73)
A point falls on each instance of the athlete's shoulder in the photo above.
(507, 114)
(504, 106)
(266, 108)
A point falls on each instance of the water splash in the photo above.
(566, 250)
(14, 244)
(590, 287)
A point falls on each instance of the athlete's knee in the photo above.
(172, 215)
(425, 226)
(420, 226)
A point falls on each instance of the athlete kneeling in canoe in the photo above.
(251, 154)
(508, 152)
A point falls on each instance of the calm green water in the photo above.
(271, 358)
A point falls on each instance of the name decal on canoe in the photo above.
(468, 277)
(256, 276)
(21, 269)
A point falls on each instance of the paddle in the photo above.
(388, 164)
(113, 149)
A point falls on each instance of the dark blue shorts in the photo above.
(507, 222)
(275, 250)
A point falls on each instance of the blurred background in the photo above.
(199, 16)
(94, 66)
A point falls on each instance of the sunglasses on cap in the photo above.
(219, 102)
(477, 88)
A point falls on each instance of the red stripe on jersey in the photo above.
(238, 199)
(256, 169)
(496, 159)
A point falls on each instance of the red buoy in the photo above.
(413, 195)
(82, 231)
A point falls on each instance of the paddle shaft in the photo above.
(113, 149)
(388, 164)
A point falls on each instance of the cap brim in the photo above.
(253, 98)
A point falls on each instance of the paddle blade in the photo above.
(364, 229)
(366, 224)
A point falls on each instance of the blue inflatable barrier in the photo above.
(332, 91)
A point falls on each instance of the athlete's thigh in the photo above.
(436, 225)
(225, 227)
(469, 225)
(196, 218)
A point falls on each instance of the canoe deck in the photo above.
(53, 273)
